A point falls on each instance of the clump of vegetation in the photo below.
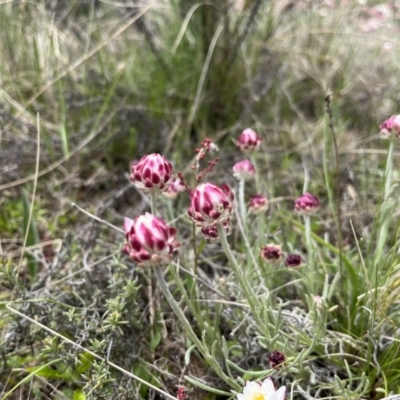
(286, 271)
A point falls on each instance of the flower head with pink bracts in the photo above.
(276, 359)
(262, 391)
(244, 170)
(174, 188)
(248, 140)
(210, 205)
(293, 260)
(272, 253)
(152, 173)
(211, 232)
(389, 127)
(258, 204)
(306, 204)
(151, 241)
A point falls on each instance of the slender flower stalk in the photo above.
(248, 291)
(154, 203)
(307, 225)
(158, 271)
(254, 161)
(244, 171)
(307, 205)
(385, 209)
(388, 170)
(188, 328)
(242, 204)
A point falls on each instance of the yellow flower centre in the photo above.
(258, 396)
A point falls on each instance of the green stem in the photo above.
(174, 305)
(242, 204)
(311, 271)
(248, 292)
(388, 170)
(188, 328)
(253, 160)
(153, 203)
(385, 212)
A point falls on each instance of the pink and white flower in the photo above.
(262, 391)
(248, 140)
(306, 204)
(258, 204)
(151, 241)
(390, 126)
(244, 170)
(152, 173)
(211, 205)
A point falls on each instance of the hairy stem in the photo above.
(249, 293)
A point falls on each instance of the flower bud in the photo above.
(210, 205)
(244, 170)
(151, 241)
(248, 140)
(293, 260)
(306, 204)
(272, 253)
(258, 204)
(211, 232)
(389, 127)
(153, 173)
(276, 358)
(174, 188)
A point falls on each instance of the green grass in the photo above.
(92, 86)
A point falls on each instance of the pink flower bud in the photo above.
(248, 140)
(258, 204)
(272, 253)
(293, 260)
(390, 126)
(210, 204)
(152, 173)
(174, 188)
(244, 170)
(151, 241)
(306, 204)
(211, 232)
